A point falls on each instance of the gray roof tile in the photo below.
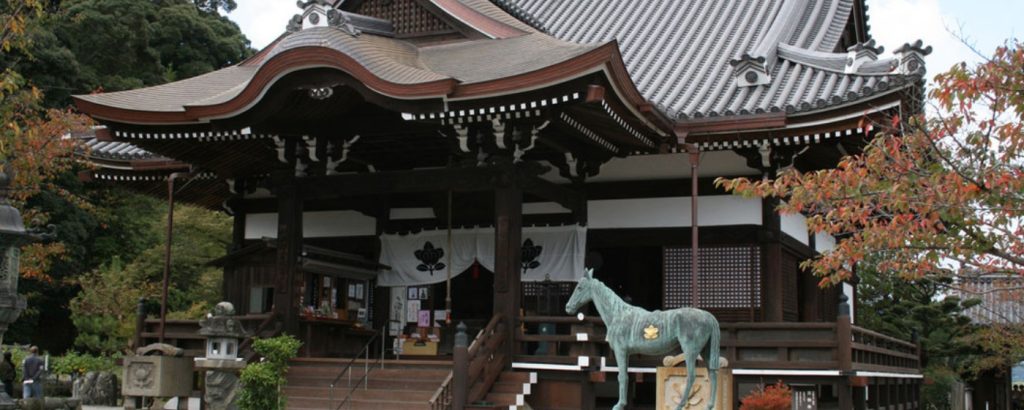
(679, 52)
(114, 150)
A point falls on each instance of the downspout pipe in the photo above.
(167, 249)
(694, 151)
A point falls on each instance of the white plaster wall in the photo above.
(318, 224)
(795, 225)
(672, 212)
(534, 208)
(412, 213)
(824, 242)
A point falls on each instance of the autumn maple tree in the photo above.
(938, 195)
(34, 148)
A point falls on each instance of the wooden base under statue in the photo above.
(672, 382)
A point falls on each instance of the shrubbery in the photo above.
(262, 381)
(74, 363)
(775, 397)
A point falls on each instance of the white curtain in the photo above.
(554, 253)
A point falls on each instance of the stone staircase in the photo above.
(508, 392)
(401, 384)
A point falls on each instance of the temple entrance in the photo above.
(467, 305)
(634, 273)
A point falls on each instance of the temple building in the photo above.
(394, 167)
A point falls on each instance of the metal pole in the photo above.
(383, 343)
(694, 223)
(167, 250)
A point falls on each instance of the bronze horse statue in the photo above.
(632, 330)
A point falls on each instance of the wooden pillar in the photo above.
(771, 246)
(508, 224)
(859, 402)
(844, 339)
(381, 295)
(289, 249)
(229, 288)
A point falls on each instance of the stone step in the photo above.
(374, 394)
(332, 372)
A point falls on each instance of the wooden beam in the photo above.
(468, 179)
(563, 195)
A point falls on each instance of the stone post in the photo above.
(460, 370)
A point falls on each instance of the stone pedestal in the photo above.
(168, 375)
(672, 383)
(222, 385)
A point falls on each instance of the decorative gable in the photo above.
(911, 58)
(750, 71)
(861, 53)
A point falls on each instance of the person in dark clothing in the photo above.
(32, 368)
(7, 374)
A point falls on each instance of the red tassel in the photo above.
(476, 270)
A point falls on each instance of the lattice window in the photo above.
(728, 277)
(563, 288)
(407, 16)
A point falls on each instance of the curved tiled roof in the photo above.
(115, 150)
(686, 56)
(173, 97)
(391, 60)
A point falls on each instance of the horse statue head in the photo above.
(583, 294)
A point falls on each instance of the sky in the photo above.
(984, 23)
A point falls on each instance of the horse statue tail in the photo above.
(716, 345)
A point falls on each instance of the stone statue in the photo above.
(632, 330)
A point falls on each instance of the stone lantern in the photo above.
(12, 236)
(223, 334)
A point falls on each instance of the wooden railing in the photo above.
(486, 358)
(873, 351)
(442, 398)
(185, 333)
(751, 345)
(476, 366)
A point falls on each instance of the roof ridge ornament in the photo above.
(321, 13)
(910, 58)
(861, 53)
(750, 71)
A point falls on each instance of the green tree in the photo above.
(114, 45)
(104, 311)
(78, 46)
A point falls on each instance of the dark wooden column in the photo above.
(237, 243)
(771, 247)
(844, 337)
(381, 295)
(508, 224)
(289, 248)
